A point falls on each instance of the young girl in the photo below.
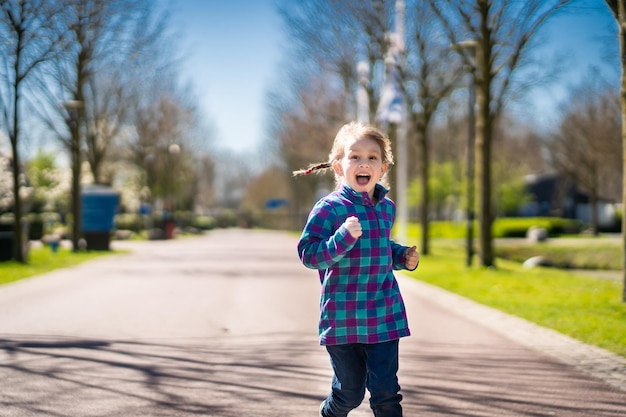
(347, 239)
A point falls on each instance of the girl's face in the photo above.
(361, 166)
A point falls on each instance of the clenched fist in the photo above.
(353, 226)
(412, 258)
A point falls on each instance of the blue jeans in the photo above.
(360, 366)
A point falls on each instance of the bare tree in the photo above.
(503, 32)
(101, 35)
(87, 24)
(428, 80)
(333, 36)
(584, 147)
(520, 151)
(618, 7)
(160, 147)
(29, 28)
(140, 48)
(334, 40)
(205, 177)
(304, 135)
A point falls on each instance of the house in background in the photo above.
(556, 196)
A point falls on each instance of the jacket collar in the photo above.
(363, 198)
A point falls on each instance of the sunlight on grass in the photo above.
(587, 308)
(42, 260)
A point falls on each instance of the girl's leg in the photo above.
(350, 374)
(382, 379)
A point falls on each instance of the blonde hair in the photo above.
(352, 130)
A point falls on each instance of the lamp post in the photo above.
(403, 162)
(470, 46)
(73, 108)
(392, 111)
(362, 99)
(471, 135)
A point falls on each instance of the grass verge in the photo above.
(586, 308)
(42, 260)
(566, 253)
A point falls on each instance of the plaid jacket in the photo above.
(360, 298)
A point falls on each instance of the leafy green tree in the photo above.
(445, 189)
(511, 195)
(586, 146)
(50, 182)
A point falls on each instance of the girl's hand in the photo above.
(412, 258)
(353, 226)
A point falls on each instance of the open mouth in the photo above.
(363, 179)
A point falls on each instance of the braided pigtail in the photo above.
(313, 167)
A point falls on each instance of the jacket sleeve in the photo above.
(321, 244)
(397, 252)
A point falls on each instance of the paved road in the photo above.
(225, 325)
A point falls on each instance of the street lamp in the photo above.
(362, 99)
(173, 149)
(392, 111)
(470, 46)
(74, 108)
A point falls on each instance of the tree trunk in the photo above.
(470, 170)
(621, 22)
(483, 160)
(18, 252)
(593, 210)
(76, 212)
(425, 190)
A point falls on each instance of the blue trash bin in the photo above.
(99, 206)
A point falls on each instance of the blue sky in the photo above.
(234, 50)
(585, 36)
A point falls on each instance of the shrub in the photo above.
(35, 227)
(129, 221)
(502, 227)
(203, 222)
(518, 226)
(226, 218)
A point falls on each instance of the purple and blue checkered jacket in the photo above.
(360, 298)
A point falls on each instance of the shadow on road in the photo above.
(219, 377)
(270, 375)
(460, 380)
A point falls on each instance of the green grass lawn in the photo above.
(586, 308)
(594, 253)
(42, 260)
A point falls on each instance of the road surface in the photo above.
(225, 325)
